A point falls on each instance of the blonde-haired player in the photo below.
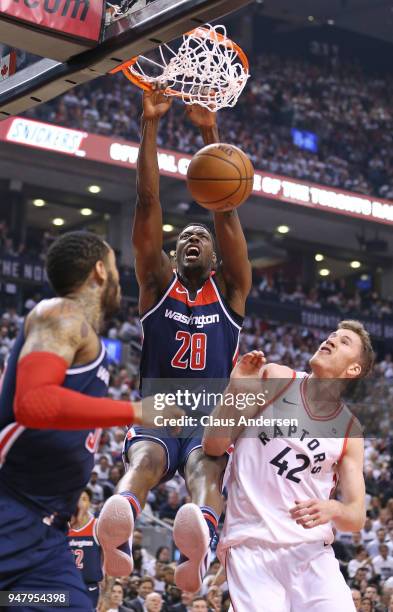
(278, 526)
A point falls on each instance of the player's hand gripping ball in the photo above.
(220, 177)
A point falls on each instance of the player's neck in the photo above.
(192, 280)
(90, 302)
(324, 394)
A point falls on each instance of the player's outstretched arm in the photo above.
(348, 514)
(152, 265)
(235, 273)
(54, 336)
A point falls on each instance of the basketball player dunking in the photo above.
(191, 322)
(278, 526)
(51, 401)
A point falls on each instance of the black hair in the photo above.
(71, 258)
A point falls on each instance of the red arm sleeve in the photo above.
(42, 403)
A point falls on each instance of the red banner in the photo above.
(76, 18)
(118, 152)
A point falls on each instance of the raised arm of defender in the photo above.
(234, 275)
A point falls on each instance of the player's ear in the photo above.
(354, 370)
(214, 266)
(100, 273)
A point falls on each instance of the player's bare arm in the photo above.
(348, 514)
(234, 275)
(58, 336)
(152, 266)
(246, 378)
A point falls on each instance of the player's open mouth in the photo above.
(192, 253)
(325, 349)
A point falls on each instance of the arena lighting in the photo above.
(86, 212)
(172, 253)
(283, 229)
(39, 202)
(94, 189)
(355, 264)
(310, 18)
(330, 22)
(324, 272)
(319, 257)
(58, 221)
(167, 227)
(364, 277)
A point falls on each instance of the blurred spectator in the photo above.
(146, 587)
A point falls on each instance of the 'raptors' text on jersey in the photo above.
(47, 469)
(184, 338)
(271, 469)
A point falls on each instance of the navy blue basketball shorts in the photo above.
(177, 450)
(35, 556)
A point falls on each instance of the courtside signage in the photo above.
(76, 18)
(125, 154)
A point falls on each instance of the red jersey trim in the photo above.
(86, 530)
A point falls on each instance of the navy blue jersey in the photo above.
(48, 469)
(184, 338)
(87, 552)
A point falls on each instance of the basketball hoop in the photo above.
(208, 69)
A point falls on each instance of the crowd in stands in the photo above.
(347, 109)
(366, 558)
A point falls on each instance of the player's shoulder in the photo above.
(57, 310)
(275, 370)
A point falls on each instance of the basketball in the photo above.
(220, 177)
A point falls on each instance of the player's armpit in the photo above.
(56, 326)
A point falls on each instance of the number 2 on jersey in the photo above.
(282, 465)
(195, 346)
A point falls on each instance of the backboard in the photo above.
(50, 59)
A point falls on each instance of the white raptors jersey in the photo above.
(272, 467)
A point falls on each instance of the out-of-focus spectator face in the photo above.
(104, 463)
(169, 575)
(173, 499)
(137, 537)
(93, 477)
(114, 475)
(368, 525)
(160, 570)
(366, 605)
(381, 533)
(199, 605)
(357, 598)
(214, 598)
(134, 583)
(116, 595)
(356, 538)
(153, 602)
(383, 550)
(371, 592)
(187, 597)
(164, 555)
(145, 587)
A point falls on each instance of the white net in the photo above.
(206, 70)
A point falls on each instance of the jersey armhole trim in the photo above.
(281, 392)
(165, 295)
(225, 307)
(89, 366)
(345, 443)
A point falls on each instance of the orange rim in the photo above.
(203, 33)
